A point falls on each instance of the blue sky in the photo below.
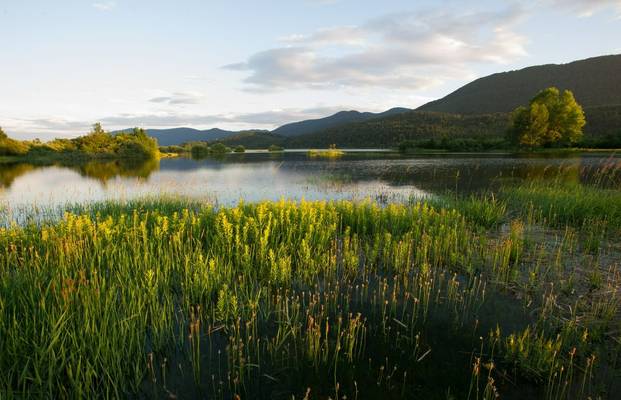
(258, 64)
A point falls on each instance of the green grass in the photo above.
(567, 204)
(161, 297)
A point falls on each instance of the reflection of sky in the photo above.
(292, 177)
(225, 184)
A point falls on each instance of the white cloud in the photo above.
(178, 98)
(414, 50)
(104, 5)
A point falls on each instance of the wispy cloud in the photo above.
(178, 98)
(412, 50)
(104, 5)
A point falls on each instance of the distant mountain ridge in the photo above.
(340, 118)
(594, 81)
(479, 108)
(176, 136)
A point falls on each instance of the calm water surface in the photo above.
(380, 176)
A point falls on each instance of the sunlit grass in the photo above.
(329, 153)
(162, 296)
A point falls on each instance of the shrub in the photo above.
(12, 147)
(219, 148)
(172, 149)
(199, 150)
(137, 144)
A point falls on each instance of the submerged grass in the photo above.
(174, 298)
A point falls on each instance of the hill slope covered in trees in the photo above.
(340, 118)
(412, 125)
(594, 81)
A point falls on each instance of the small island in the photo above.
(332, 152)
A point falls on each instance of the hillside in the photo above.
(412, 125)
(594, 81)
(478, 109)
(254, 139)
(340, 118)
(603, 121)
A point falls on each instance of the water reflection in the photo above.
(101, 171)
(261, 176)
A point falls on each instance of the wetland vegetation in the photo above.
(511, 292)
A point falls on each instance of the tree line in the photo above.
(98, 143)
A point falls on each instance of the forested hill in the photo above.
(413, 125)
(594, 81)
(340, 118)
(418, 125)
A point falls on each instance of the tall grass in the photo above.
(273, 300)
(568, 204)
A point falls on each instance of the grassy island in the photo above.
(332, 152)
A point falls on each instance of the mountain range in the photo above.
(479, 108)
(173, 136)
(340, 118)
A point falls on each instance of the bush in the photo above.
(61, 145)
(275, 148)
(199, 150)
(11, 147)
(172, 149)
(239, 149)
(219, 148)
(137, 144)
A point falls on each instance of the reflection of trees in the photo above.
(10, 172)
(99, 170)
(105, 170)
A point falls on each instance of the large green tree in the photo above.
(550, 118)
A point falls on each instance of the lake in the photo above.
(253, 176)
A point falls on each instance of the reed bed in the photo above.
(175, 299)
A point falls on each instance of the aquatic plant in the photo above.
(168, 297)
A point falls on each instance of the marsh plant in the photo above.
(168, 298)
